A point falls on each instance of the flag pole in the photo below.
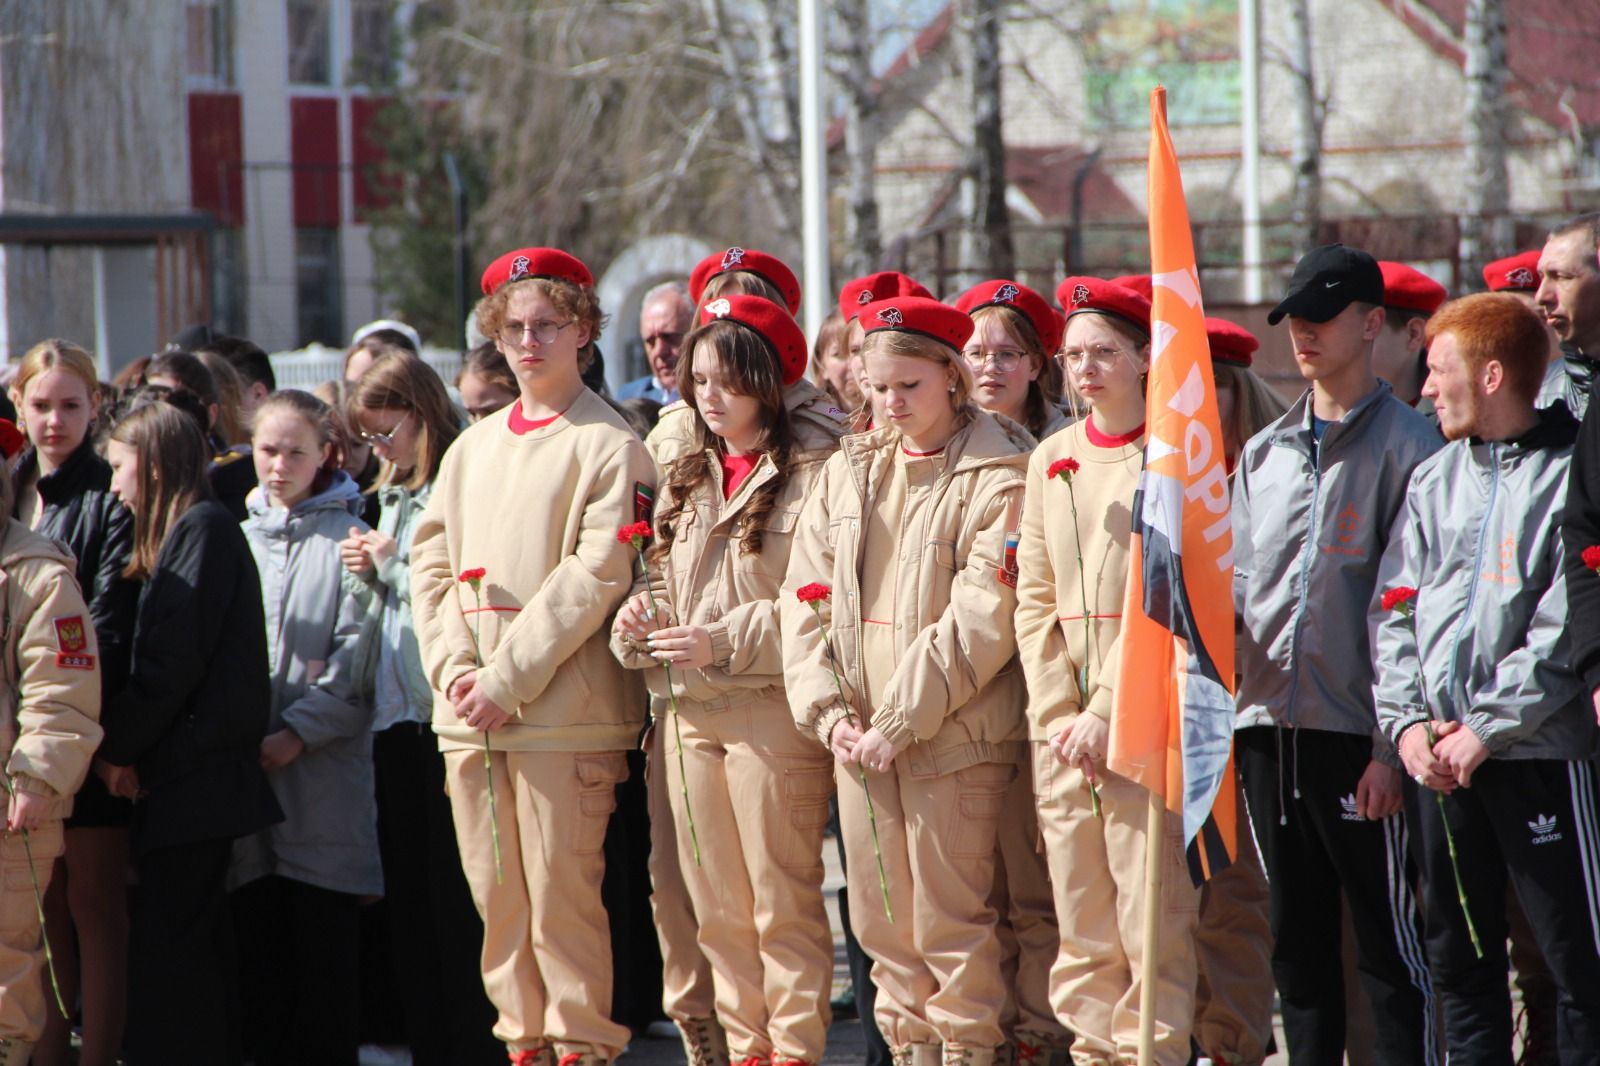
(1154, 851)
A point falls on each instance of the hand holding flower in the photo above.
(1416, 754)
(1463, 752)
(842, 741)
(1083, 744)
(874, 751)
(637, 619)
(686, 647)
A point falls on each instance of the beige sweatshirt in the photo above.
(540, 514)
(1050, 597)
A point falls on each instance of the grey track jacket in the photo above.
(1479, 541)
(1310, 526)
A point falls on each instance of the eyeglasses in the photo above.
(1101, 355)
(670, 340)
(385, 440)
(1005, 360)
(543, 332)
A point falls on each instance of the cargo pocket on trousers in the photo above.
(975, 817)
(598, 778)
(18, 913)
(805, 795)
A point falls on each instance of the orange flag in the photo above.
(1172, 722)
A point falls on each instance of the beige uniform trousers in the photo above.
(759, 790)
(686, 990)
(23, 993)
(1233, 998)
(937, 964)
(1097, 871)
(546, 938)
(1026, 926)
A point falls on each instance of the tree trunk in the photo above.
(865, 249)
(990, 220)
(1309, 112)
(1485, 219)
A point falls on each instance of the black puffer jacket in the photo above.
(195, 708)
(79, 512)
(1580, 529)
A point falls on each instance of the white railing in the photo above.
(311, 366)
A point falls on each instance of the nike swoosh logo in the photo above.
(1329, 284)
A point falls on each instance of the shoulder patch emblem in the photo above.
(74, 662)
(1007, 572)
(70, 634)
(644, 501)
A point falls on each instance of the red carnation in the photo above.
(1591, 557)
(635, 534)
(1399, 597)
(812, 592)
(1063, 469)
(473, 576)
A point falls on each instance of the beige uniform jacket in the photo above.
(956, 692)
(540, 514)
(50, 699)
(710, 582)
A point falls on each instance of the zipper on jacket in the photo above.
(1307, 557)
(1477, 574)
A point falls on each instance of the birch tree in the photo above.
(1485, 220)
(1310, 113)
(990, 219)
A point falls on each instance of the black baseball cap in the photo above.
(1326, 281)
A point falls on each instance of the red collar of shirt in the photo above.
(520, 425)
(1110, 440)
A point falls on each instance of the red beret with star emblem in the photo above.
(1231, 343)
(1143, 284)
(1408, 289)
(1516, 273)
(1085, 295)
(768, 321)
(918, 314)
(12, 440)
(522, 263)
(858, 292)
(768, 268)
(1003, 292)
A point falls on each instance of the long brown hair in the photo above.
(749, 368)
(173, 455)
(401, 381)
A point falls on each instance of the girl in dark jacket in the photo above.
(63, 490)
(187, 737)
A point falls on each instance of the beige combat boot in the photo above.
(704, 1043)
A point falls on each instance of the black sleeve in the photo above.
(1580, 529)
(181, 619)
(113, 599)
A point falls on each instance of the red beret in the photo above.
(775, 326)
(1001, 292)
(769, 268)
(918, 314)
(1143, 284)
(536, 263)
(883, 285)
(1230, 343)
(1082, 294)
(12, 440)
(1407, 289)
(1517, 273)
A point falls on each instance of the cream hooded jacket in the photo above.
(956, 693)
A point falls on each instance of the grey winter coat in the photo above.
(1480, 542)
(1310, 526)
(329, 835)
